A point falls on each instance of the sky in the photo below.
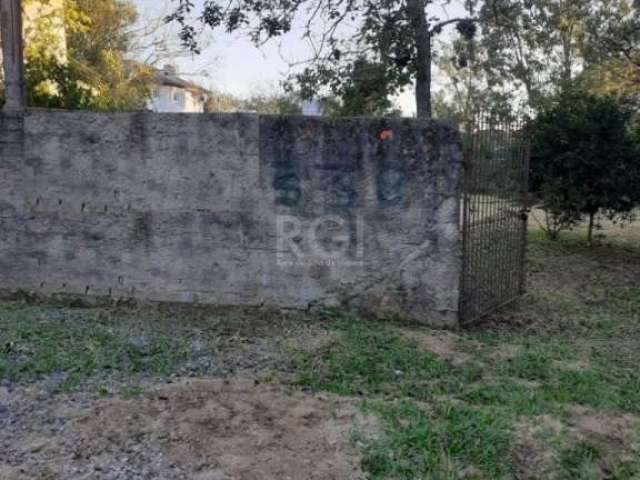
(232, 64)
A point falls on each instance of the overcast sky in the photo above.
(234, 65)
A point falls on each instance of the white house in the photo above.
(174, 94)
(313, 107)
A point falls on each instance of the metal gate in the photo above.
(494, 215)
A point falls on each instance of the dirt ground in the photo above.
(610, 432)
(200, 429)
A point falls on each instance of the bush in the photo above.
(584, 161)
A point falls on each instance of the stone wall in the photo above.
(233, 209)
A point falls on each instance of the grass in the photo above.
(371, 359)
(509, 401)
(445, 440)
(40, 342)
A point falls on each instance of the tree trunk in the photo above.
(12, 54)
(567, 61)
(590, 233)
(422, 37)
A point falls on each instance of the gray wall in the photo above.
(233, 209)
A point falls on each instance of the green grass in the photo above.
(371, 359)
(435, 444)
(38, 342)
(578, 461)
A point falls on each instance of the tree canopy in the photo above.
(528, 52)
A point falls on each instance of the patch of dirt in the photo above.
(442, 344)
(313, 339)
(607, 428)
(532, 456)
(200, 429)
(522, 382)
(575, 366)
(615, 435)
(506, 352)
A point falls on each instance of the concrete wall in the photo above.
(233, 209)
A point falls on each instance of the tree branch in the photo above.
(440, 25)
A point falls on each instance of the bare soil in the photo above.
(201, 429)
(533, 454)
(442, 344)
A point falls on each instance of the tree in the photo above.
(12, 55)
(613, 49)
(584, 160)
(364, 92)
(534, 45)
(268, 101)
(467, 89)
(90, 71)
(271, 103)
(221, 102)
(395, 35)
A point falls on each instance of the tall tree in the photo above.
(534, 45)
(613, 48)
(466, 87)
(12, 53)
(397, 35)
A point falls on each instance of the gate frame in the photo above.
(515, 131)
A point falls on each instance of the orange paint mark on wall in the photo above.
(386, 134)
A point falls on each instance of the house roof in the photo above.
(169, 77)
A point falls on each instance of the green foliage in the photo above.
(221, 102)
(584, 161)
(616, 78)
(274, 104)
(538, 48)
(52, 84)
(533, 46)
(365, 92)
(613, 50)
(467, 89)
(88, 71)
